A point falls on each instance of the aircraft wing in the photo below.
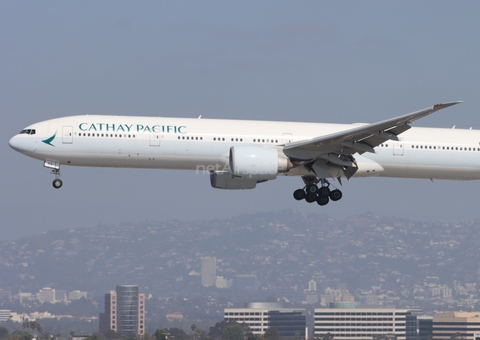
(359, 139)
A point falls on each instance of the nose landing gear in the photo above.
(57, 182)
(314, 193)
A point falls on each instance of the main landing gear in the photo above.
(320, 194)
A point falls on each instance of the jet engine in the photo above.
(256, 163)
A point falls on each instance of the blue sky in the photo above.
(272, 60)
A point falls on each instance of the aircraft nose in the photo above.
(14, 143)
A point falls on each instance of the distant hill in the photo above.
(284, 249)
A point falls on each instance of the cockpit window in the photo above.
(28, 132)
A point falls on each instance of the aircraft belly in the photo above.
(138, 154)
(431, 164)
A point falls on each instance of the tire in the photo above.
(299, 194)
(335, 195)
(324, 191)
(311, 197)
(311, 188)
(57, 183)
(323, 200)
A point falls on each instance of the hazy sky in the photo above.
(317, 61)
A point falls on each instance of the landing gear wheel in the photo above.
(57, 183)
(299, 194)
(311, 197)
(322, 200)
(311, 189)
(324, 191)
(335, 195)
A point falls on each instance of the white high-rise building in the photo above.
(209, 271)
(312, 286)
(124, 311)
(46, 294)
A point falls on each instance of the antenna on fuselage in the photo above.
(199, 117)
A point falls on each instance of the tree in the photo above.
(160, 335)
(327, 336)
(232, 332)
(112, 335)
(198, 333)
(271, 334)
(3, 333)
(96, 336)
(33, 325)
(175, 333)
(251, 336)
(22, 335)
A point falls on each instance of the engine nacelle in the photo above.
(224, 180)
(256, 163)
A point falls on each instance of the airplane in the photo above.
(239, 154)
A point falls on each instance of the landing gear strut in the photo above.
(314, 193)
(57, 182)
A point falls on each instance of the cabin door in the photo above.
(154, 139)
(67, 134)
(398, 148)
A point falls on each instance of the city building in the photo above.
(311, 297)
(221, 282)
(60, 296)
(4, 314)
(209, 271)
(312, 286)
(260, 316)
(46, 294)
(425, 327)
(463, 325)
(246, 281)
(124, 311)
(76, 295)
(346, 322)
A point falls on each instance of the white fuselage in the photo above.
(204, 144)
